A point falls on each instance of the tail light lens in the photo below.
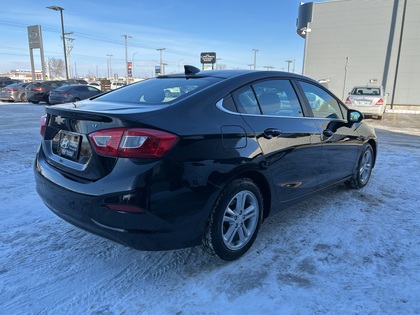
(133, 142)
(39, 89)
(11, 90)
(348, 102)
(43, 125)
(380, 102)
(64, 93)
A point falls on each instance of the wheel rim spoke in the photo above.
(240, 220)
(365, 166)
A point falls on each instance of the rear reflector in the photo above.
(43, 125)
(125, 208)
(132, 142)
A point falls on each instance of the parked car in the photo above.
(72, 93)
(116, 85)
(77, 81)
(5, 81)
(370, 100)
(95, 84)
(40, 91)
(204, 166)
(14, 92)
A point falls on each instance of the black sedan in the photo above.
(72, 93)
(40, 91)
(205, 165)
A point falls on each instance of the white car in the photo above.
(95, 84)
(117, 85)
(370, 100)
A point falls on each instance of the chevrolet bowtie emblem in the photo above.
(58, 120)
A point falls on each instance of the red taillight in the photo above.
(43, 125)
(11, 90)
(39, 89)
(125, 208)
(380, 102)
(348, 102)
(133, 142)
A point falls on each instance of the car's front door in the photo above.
(340, 140)
(290, 143)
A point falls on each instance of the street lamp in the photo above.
(126, 57)
(288, 64)
(57, 8)
(255, 58)
(109, 66)
(161, 70)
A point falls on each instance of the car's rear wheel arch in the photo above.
(259, 179)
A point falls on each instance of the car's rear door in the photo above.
(289, 141)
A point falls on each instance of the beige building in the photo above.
(354, 42)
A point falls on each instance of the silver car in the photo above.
(13, 93)
(370, 100)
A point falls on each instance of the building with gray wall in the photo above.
(354, 42)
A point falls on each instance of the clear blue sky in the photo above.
(232, 29)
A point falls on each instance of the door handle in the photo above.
(272, 132)
(328, 133)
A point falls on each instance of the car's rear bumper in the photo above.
(172, 223)
(370, 110)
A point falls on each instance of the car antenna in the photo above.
(191, 69)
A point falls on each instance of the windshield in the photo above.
(158, 91)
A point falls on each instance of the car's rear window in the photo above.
(158, 91)
(366, 91)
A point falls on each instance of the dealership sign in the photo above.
(208, 57)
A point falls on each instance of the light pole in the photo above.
(179, 64)
(126, 57)
(57, 8)
(160, 50)
(132, 64)
(288, 64)
(109, 66)
(255, 58)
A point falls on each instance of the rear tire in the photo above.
(235, 220)
(364, 168)
(23, 97)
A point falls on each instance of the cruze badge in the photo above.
(64, 143)
(58, 120)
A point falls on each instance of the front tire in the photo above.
(235, 220)
(364, 168)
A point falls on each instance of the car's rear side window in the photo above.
(158, 91)
(269, 97)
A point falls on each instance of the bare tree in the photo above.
(57, 67)
(220, 66)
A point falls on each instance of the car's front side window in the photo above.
(322, 103)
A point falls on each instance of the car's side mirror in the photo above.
(354, 116)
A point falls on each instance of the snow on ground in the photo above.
(341, 252)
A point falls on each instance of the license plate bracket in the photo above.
(69, 145)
